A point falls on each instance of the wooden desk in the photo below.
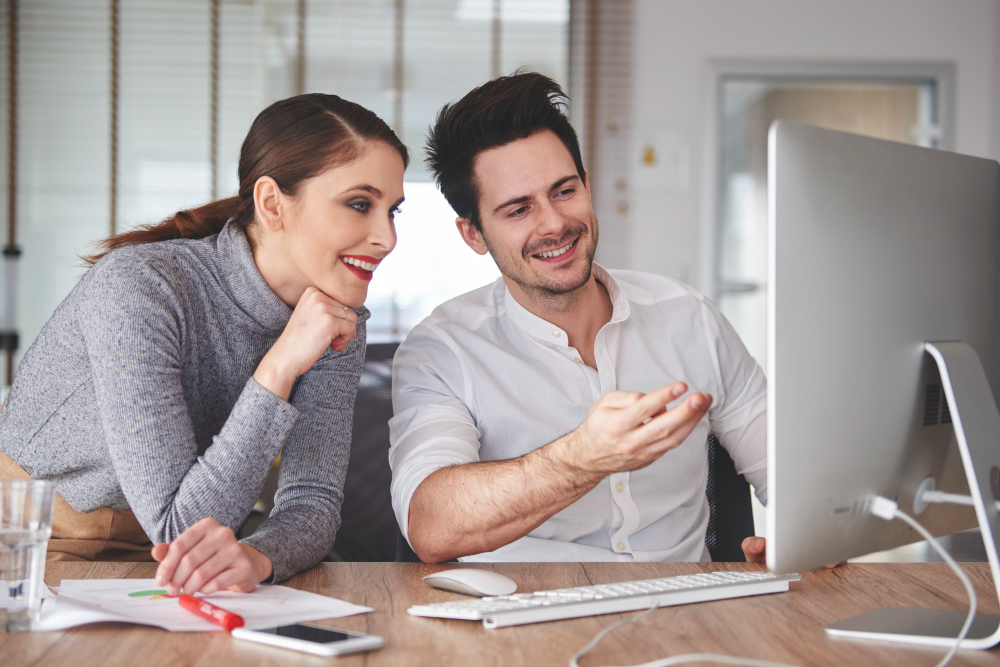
(786, 627)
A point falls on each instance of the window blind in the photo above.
(403, 59)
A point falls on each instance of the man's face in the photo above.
(537, 219)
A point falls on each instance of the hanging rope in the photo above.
(11, 123)
(300, 47)
(496, 39)
(397, 69)
(591, 45)
(213, 126)
(115, 46)
(11, 252)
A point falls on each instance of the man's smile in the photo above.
(558, 254)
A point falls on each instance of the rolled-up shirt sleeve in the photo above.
(739, 413)
(432, 427)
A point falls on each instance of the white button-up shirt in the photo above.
(483, 379)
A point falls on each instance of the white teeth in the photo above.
(367, 266)
(557, 251)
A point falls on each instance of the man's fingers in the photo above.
(678, 421)
(755, 548)
(653, 402)
(618, 399)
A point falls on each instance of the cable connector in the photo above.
(884, 508)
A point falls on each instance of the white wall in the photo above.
(677, 40)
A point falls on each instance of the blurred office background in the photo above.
(120, 112)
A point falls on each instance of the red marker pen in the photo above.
(206, 609)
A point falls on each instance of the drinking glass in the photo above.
(25, 528)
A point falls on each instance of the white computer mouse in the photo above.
(469, 581)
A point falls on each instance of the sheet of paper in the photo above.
(141, 601)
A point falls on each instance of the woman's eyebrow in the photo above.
(367, 188)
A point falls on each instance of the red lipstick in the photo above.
(361, 273)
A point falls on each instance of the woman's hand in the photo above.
(318, 323)
(207, 558)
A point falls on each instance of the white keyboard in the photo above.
(518, 609)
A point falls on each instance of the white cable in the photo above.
(675, 660)
(881, 507)
(888, 510)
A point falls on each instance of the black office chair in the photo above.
(369, 531)
(368, 528)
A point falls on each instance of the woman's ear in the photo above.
(268, 202)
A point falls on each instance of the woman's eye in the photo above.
(361, 206)
(393, 213)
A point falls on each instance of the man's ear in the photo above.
(268, 201)
(472, 236)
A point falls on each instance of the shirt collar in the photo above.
(244, 283)
(546, 331)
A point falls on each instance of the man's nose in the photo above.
(550, 219)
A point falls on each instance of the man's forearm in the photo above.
(479, 507)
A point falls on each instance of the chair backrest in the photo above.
(368, 529)
(369, 532)
(730, 517)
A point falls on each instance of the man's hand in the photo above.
(207, 558)
(628, 430)
(755, 548)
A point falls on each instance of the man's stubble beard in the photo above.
(549, 292)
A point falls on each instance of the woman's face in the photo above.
(339, 226)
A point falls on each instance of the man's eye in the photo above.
(518, 212)
(566, 192)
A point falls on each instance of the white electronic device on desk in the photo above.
(555, 605)
(311, 639)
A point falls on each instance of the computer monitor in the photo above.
(876, 249)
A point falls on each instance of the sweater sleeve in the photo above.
(306, 515)
(133, 326)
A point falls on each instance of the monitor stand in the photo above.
(977, 430)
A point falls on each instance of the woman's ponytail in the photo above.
(194, 223)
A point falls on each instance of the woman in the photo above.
(194, 351)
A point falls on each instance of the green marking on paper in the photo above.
(142, 594)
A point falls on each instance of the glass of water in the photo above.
(25, 527)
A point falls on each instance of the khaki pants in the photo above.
(104, 534)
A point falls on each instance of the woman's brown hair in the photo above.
(290, 141)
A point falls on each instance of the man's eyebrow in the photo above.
(367, 188)
(520, 200)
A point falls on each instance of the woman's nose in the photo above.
(383, 235)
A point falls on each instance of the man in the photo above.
(530, 419)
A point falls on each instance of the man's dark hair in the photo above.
(494, 114)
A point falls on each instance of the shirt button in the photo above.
(621, 546)
(578, 360)
(619, 487)
(556, 333)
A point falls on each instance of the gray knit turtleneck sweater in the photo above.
(138, 394)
